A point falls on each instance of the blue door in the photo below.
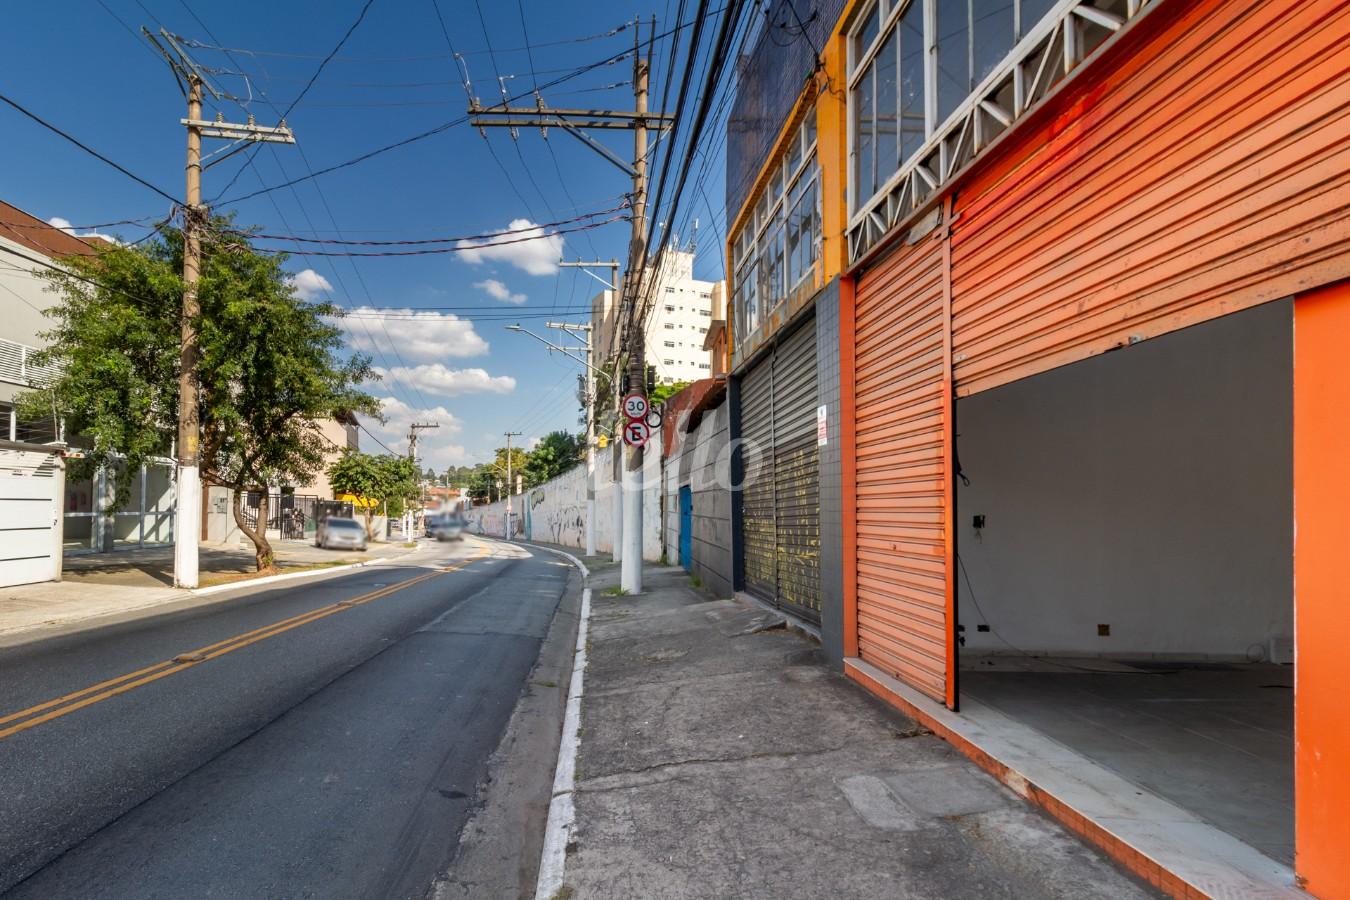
(686, 528)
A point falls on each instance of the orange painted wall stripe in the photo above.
(1321, 591)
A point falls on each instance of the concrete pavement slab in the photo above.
(721, 764)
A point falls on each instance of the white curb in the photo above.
(290, 576)
(561, 811)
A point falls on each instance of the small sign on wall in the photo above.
(822, 426)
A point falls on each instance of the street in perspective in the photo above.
(784, 449)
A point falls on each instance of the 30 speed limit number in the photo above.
(635, 406)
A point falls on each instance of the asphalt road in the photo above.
(325, 739)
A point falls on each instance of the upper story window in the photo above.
(777, 251)
(909, 73)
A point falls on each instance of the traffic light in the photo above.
(651, 379)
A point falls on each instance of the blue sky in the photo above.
(77, 65)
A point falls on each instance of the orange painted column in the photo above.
(1322, 591)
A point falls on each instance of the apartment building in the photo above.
(681, 317)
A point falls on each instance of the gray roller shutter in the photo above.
(796, 469)
(757, 504)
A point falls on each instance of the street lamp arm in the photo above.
(552, 346)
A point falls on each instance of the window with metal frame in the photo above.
(932, 82)
(777, 251)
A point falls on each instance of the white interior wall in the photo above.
(1148, 489)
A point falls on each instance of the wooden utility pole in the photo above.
(188, 490)
(409, 517)
(638, 120)
(630, 566)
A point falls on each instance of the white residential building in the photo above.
(681, 314)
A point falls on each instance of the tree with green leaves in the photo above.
(556, 453)
(272, 367)
(375, 481)
(664, 392)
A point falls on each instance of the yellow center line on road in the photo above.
(112, 687)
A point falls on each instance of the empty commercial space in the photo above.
(1124, 542)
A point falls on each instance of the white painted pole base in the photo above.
(616, 490)
(187, 522)
(590, 526)
(630, 572)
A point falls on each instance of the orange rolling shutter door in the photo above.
(902, 440)
(1202, 174)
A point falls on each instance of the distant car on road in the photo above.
(337, 533)
(446, 528)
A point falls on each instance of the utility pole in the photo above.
(592, 408)
(409, 520)
(188, 494)
(638, 121)
(630, 571)
(509, 435)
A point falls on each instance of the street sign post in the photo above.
(636, 433)
(635, 406)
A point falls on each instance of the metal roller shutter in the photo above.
(902, 443)
(757, 502)
(1069, 247)
(797, 474)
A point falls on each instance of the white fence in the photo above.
(555, 512)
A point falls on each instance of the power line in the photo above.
(250, 164)
(431, 251)
(445, 240)
(445, 126)
(91, 151)
(421, 58)
(312, 79)
(329, 58)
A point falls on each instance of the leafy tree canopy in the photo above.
(272, 367)
(556, 453)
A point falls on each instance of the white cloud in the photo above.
(64, 225)
(498, 291)
(309, 284)
(435, 378)
(529, 248)
(419, 335)
(534, 442)
(434, 446)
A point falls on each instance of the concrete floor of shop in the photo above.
(1215, 739)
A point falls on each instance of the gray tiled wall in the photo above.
(831, 506)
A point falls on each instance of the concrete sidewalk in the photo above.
(719, 758)
(98, 586)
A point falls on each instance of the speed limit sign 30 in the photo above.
(636, 433)
(635, 406)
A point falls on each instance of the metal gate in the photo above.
(757, 513)
(31, 489)
(796, 474)
(902, 446)
(780, 508)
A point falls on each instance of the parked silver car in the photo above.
(340, 534)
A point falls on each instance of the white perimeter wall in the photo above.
(555, 512)
(1149, 489)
